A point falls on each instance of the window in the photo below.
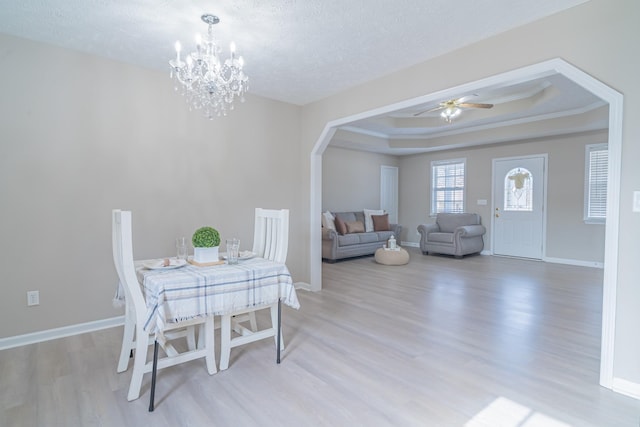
(518, 190)
(447, 186)
(595, 188)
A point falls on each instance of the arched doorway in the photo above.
(555, 66)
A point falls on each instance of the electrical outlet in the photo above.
(33, 298)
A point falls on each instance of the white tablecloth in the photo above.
(190, 291)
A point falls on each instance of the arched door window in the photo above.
(518, 190)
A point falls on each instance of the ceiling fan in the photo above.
(453, 107)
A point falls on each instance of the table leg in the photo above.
(278, 331)
(153, 376)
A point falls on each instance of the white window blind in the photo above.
(596, 168)
(447, 186)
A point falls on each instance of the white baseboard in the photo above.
(577, 262)
(65, 331)
(410, 244)
(302, 285)
(417, 245)
(81, 328)
(627, 388)
(566, 261)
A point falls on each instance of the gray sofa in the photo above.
(455, 234)
(336, 246)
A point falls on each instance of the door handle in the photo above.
(497, 215)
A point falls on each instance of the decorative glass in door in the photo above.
(518, 190)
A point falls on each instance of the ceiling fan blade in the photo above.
(439, 107)
(473, 105)
(464, 99)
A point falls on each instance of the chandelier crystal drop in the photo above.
(207, 82)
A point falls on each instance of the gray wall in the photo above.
(351, 179)
(82, 135)
(568, 237)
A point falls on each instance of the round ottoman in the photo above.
(385, 257)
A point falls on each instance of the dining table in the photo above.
(186, 291)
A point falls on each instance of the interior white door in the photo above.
(389, 192)
(518, 206)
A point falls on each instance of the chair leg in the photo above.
(252, 321)
(208, 331)
(139, 362)
(191, 337)
(127, 341)
(225, 335)
(225, 341)
(236, 322)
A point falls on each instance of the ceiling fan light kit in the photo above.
(450, 113)
(453, 108)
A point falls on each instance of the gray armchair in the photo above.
(455, 234)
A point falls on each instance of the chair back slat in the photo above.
(116, 241)
(123, 260)
(271, 234)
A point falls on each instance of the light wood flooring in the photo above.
(482, 341)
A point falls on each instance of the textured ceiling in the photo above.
(296, 51)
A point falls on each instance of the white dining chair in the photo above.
(135, 337)
(128, 337)
(270, 241)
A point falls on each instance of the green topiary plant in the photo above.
(206, 237)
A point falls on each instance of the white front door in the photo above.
(389, 192)
(518, 206)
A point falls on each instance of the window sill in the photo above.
(595, 221)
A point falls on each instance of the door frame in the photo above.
(545, 173)
(385, 169)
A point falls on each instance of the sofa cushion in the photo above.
(328, 220)
(346, 216)
(441, 237)
(381, 222)
(355, 227)
(341, 227)
(368, 222)
(368, 237)
(448, 222)
(383, 236)
(348, 240)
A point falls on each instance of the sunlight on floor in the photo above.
(503, 412)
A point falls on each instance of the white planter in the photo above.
(203, 255)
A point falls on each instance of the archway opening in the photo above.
(547, 68)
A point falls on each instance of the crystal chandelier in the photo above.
(208, 83)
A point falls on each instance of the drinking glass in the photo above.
(233, 247)
(181, 248)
